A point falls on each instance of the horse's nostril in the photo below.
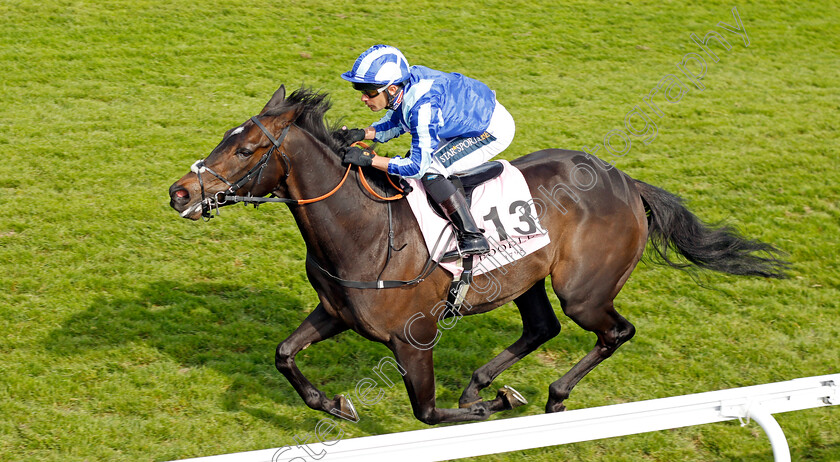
(179, 195)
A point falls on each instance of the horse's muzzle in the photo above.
(179, 197)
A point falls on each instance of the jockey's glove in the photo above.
(357, 156)
(348, 136)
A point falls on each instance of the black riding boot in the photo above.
(470, 239)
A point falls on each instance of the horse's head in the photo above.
(249, 161)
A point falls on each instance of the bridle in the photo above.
(223, 197)
(220, 198)
(208, 203)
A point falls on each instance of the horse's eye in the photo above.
(244, 152)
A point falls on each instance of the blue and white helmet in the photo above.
(379, 65)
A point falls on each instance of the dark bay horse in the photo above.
(598, 219)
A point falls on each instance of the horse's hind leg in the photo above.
(316, 327)
(419, 377)
(612, 330)
(539, 324)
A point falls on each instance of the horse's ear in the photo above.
(276, 99)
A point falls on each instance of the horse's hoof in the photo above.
(470, 404)
(556, 407)
(345, 410)
(511, 397)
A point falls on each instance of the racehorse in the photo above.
(356, 238)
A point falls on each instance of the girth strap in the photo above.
(427, 270)
(378, 284)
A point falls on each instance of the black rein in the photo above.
(230, 196)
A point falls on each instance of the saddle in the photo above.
(468, 180)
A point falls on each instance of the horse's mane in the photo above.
(312, 105)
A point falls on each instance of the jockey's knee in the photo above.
(438, 186)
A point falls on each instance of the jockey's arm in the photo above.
(379, 162)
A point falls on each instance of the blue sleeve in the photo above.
(424, 141)
(388, 127)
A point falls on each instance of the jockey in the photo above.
(455, 124)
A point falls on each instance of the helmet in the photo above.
(378, 66)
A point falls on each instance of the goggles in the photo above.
(371, 93)
(369, 90)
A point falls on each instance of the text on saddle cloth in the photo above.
(503, 207)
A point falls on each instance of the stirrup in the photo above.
(459, 253)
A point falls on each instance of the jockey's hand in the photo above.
(358, 156)
(348, 136)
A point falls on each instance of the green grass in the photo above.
(127, 333)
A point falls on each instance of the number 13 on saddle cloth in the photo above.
(503, 207)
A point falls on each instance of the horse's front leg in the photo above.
(319, 325)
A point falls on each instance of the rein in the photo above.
(229, 195)
(207, 203)
(395, 197)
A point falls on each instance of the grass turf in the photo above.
(127, 333)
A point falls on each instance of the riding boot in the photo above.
(470, 239)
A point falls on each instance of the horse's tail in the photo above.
(672, 227)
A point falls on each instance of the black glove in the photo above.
(349, 136)
(358, 156)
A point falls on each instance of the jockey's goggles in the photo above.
(368, 89)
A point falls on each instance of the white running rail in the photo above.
(758, 403)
